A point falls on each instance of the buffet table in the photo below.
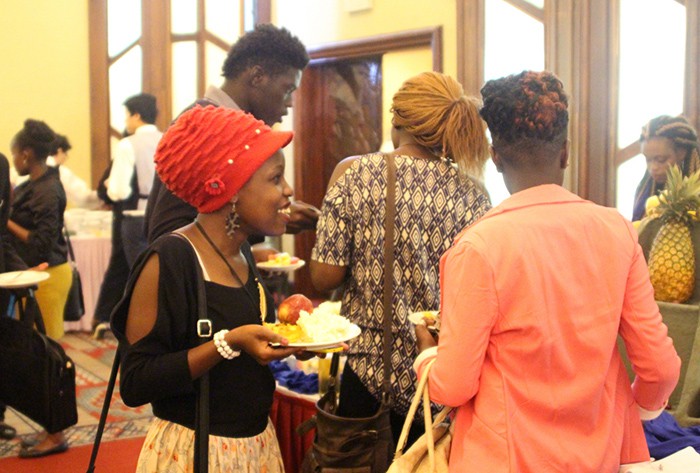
(92, 258)
(289, 409)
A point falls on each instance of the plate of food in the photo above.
(281, 262)
(429, 318)
(314, 329)
(315, 345)
(18, 279)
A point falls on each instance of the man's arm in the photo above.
(119, 183)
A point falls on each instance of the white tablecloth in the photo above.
(92, 257)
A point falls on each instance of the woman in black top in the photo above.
(35, 225)
(230, 167)
(36, 220)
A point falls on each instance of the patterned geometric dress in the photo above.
(433, 204)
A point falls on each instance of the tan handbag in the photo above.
(431, 452)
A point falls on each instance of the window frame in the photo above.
(582, 47)
(156, 46)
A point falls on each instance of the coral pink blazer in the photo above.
(534, 296)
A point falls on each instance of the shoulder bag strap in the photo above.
(105, 411)
(201, 429)
(390, 215)
(204, 332)
(71, 255)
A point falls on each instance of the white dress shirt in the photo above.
(124, 166)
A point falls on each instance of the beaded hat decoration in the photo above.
(209, 153)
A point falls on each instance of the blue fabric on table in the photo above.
(295, 380)
(665, 436)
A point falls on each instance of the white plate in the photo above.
(17, 279)
(352, 332)
(417, 318)
(270, 266)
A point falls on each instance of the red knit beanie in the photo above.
(209, 153)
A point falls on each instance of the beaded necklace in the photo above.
(261, 290)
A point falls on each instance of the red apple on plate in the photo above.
(288, 310)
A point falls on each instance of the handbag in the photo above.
(201, 426)
(431, 452)
(347, 444)
(38, 377)
(75, 304)
(358, 445)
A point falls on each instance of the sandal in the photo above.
(33, 452)
(7, 432)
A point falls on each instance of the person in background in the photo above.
(134, 160)
(439, 140)
(666, 141)
(230, 167)
(78, 193)
(117, 272)
(534, 298)
(262, 70)
(35, 226)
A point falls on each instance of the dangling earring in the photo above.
(233, 221)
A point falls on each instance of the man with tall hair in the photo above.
(262, 70)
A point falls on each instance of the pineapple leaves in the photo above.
(680, 200)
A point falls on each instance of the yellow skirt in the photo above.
(169, 448)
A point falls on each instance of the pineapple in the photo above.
(672, 256)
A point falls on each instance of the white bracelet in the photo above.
(223, 348)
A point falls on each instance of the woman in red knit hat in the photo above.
(230, 167)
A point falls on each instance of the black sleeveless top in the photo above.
(155, 368)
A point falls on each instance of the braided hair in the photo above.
(433, 108)
(37, 136)
(679, 131)
(527, 115)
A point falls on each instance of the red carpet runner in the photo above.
(118, 456)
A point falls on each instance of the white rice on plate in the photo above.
(324, 324)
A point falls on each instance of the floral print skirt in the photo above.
(169, 448)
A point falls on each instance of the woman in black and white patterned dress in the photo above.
(439, 141)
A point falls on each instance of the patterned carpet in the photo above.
(93, 360)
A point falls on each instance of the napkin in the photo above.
(296, 380)
(664, 436)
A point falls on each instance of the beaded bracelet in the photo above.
(223, 348)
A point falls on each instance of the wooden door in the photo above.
(340, 115)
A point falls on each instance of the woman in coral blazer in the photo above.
(534, 296)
